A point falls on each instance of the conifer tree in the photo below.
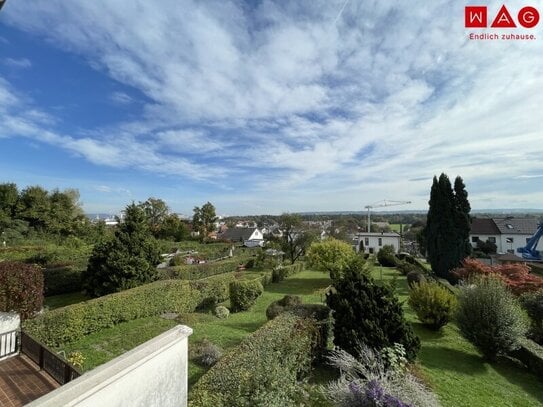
(127, 260)
(448, 225)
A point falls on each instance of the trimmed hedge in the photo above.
(263, 370)
(199, 271)
(21, 288)
(281, 272)
(243, 294)
(71, 323)
(531, 354)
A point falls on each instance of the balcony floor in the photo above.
(21, 381)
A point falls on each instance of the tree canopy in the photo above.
(330, 255)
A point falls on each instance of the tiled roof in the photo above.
(483, 226)
(237, 234)
(516, 226)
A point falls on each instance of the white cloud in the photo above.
(20, 63)
(312, 96)
(121, 98)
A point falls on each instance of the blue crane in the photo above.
(530, 252)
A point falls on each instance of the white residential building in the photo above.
(507, 233)
(373, 242)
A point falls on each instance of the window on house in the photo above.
(367, 241)
(380, 242)
(492, 239)
(474, 239)
(509, 240)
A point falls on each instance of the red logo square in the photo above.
(475, 17)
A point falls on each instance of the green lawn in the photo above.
(100, 347)
(62, 300)
(456, 370)
(395, 227)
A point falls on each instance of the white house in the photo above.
(250, 237)
(507, 233)
(373, 242)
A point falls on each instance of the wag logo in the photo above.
(480, 17)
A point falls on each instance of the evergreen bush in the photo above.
(490, 317)
(387, 257)
(433, 304)
(365, 312)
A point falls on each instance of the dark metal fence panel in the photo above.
(8, 343)
(57, 367)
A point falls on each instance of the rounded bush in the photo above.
(286, 303)
(490, 317)
(405, 268)
(222, 312)
(206, 353)
(243, 294)
(386, 256)
(433, 304)
(414, 278)
(273, 310)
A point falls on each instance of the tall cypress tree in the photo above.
(447, 227)
(463, 220)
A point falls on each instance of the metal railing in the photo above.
(57, 367)
(9, 344)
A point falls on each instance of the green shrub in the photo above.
(414, 278)
(257, 372)
(433, 304)
(282, 305)
(386, 256)
(221, 312)
(199, 271)
(278, 274)
(21, 288)
(62, 280)
(206, 353)
(533, 304)
(243, 294)
(490, 317)
(405, 268)
(365, 312)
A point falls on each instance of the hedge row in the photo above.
(282, 272)
(263, 369)
(68, 324)
(198, 271)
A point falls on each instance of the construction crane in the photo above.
(530, 252)
(381, 204)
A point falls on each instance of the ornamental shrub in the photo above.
(533, 304)
(414, 278)
(243, 294)
(405, 268)
(206, 353)
(284, 304)
(490, 317)
(433, 304)
(386, 256)
(365, 312)
(370, 380)
(221, 312)
(21, 288)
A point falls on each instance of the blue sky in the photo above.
(267, 106)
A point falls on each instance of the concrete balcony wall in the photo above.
(153, 374)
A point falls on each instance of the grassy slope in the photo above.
(62, 300)
(457, 372)
(229, 332)
(102, 346)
